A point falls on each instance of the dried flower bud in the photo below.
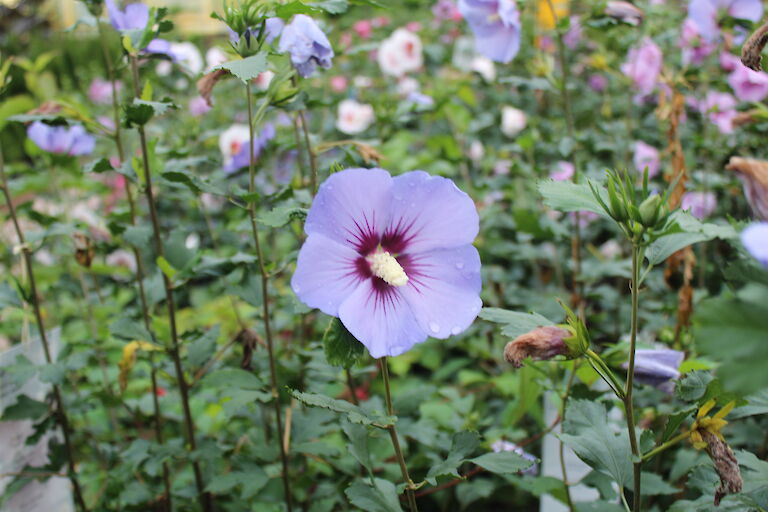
(84, 250)
(539, 344)
(726, 465)
(750, 52)
(624, 11)
(753, 174)
(205, 85)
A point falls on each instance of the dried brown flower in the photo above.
(539, 344)
(726, 465)
(754, 175)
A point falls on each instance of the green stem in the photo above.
(666, 445)
(205, 498)
(265, 304)
(564, 400)
(61, 412)
(628, 405)
(384, 365)
(310, 152)
(607, 375)
(158, 423)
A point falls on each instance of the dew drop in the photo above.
(434, 327)
(460, 265)
(456, 330)
(296, 288)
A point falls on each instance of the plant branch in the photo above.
(628, 405)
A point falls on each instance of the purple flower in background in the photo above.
(198, 106)
(241, 158)
(506, 446)
(748, 85)
(574, 34)
(643, 66)
(564, 171)
(133, 17)
(391, 257)
(100, 91)
(729, 62)
(496, 26)
(272, 29)
(446, 10)
(720, 107)
(657, 367)
(307, 44)
(700, 204)
(646, 155)
(706, 14)
(598, 83)
(695, 48)
(61, 140)
(755, 240)
(160, 46)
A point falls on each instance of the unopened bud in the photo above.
(726, 465)
(649, 211)
(539, 344)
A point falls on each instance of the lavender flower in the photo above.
(307, 44)
(755, 240)
(643, 66)
(391, 257)
(496, 26)
(241, 158)
(657, 367)
(706, 14)
(564, 172)
(695, 48)
(720, 107)
(61, 140)
(100, 91)
(646, 156)
(133, 17)
(748, 85)
(700, 204)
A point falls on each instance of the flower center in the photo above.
(385, 266)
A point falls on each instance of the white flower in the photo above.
(476, 151)
(513, 121)
(484, 67)
(354, 117)
(262, 81)
(188, 57)
(407, 85)
(361, 82)
(215, 57)
(400, 53)
(121, 258)
(232, 139)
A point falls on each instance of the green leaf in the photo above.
(98, 166)
(166, 267)
(516, 323)
(505, 463)
(137, 236)
(354, 413)
(129, 329)
(686, 230)
(282, 215)
(462, 446)
(693, 385)
(381, 496)
(139, 112)
(758, 404)
(341, 348)
(358, 447)
(25, 408)
(288, 10)
(565, 196)
(674, 422)
(9, 297)
(202, 348)
(252, 481)
(233, 378)
(247, 69)
(332, 6)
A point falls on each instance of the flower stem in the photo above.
(628, 405)
(310, 152)
(158, 423)
(384, 365)
(265, 303)
(564, 400)
(61, 412)
(205, 498)
(665, 445)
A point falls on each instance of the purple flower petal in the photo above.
(325, 274)
(496, 26)
(352, 207)
(755, 240)
(429, 212)
(381, 319)
(443, 289)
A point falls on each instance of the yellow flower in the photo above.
(712, 424)
(545, 17)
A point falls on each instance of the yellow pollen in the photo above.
(385, 266)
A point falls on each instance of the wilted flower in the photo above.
(241, 158)
(133, 17)
(748, 85)
(496, 26)
(400, 53)
(720, 107)
(307, 44)
(506, 446)
(354, 117)
(700, 204)
(564, 172)
(706, 14)
(646, 155)
(63, 140)
(657, 367)
(391, 258)
(100, 91)
(643, 66)
(513, 121)
(755, 240)
(540, 344)
(624, 11)
(753, 174)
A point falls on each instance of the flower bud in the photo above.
(539, 344)
(618, 209)
(726, 465)
(649, 211)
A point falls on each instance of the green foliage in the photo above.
(248, 68)
(341, 348)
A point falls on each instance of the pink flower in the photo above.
(720, 107)
(100, 91)
(198, 106)
(339, 83)
(729, 62)
(643, 66)
(748, 85)
(413, 26)
(695, 48)
(598, 83)
(700, 204)
(564, 172)
(646, 156)
(363, 28)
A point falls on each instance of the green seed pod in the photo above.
(649, 210)
(618, 210)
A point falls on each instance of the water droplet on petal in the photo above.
(434, 327)
(456, 330)
(296, 288)
(460, 265)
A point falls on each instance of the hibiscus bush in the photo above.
(386, 256)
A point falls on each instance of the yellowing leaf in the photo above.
(129, 359)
